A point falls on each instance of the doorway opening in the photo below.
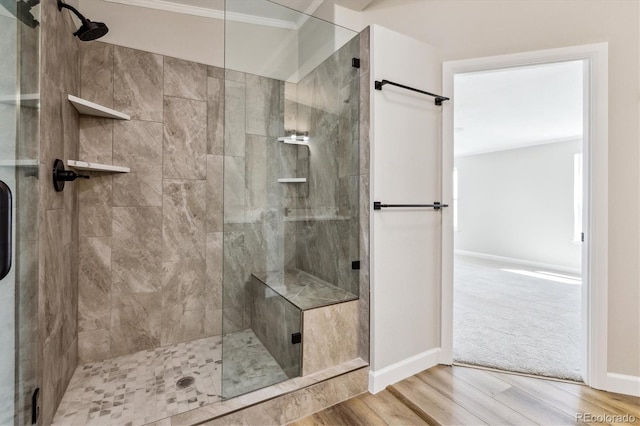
(518, 183)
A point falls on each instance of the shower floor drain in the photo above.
(185, 382)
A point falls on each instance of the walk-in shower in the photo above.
(290, 188)
(215, 250)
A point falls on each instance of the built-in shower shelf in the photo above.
(96, 167)
(292, 180)
(86, 107)
(18, 163)
(31, 100)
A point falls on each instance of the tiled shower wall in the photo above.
(327, 106)
(58, 251)
(150, 270)
(257, 238)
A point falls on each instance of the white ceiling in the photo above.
(517, 107)
(261, 12)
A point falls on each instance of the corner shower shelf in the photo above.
(30, 100)
(301, 140)
(96, 167)
(292, 180)
(86, 107)
(18, 163)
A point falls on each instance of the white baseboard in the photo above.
(378, 380)
(519, 261)
(622, 383)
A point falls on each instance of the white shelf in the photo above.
(96, 167)
(292, 180)
(89, 108)
(18, 163)
(300, 140)
(26, 100)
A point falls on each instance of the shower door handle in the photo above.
(5, 229)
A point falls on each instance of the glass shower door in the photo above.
(19, 143)
(290, 155)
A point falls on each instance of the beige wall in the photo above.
(468, 29)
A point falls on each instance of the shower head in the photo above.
(89, 30)
(22, 11)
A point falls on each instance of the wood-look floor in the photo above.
(468, 396)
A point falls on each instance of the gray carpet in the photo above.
(526, 321)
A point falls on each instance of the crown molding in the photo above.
(204, 12)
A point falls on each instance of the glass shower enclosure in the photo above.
(19, 144)
(291, 222)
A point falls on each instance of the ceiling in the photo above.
(517, 107)
(261, 12)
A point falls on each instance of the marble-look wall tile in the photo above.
(316, 249)
(95, 201)
(365, 124)
(183, 220)
(232, 75)
(215, 116)
(256, 171)
(234, 189)
(235, 273)
(138, 83)
(215, 72)
(345, 72)
(138, 145)
(365, 39)
(215, 175)
(213, 285)
(96, 139)
(96, 73)
(183, 301)
(234, 118)
(330, 336)
(94, 284)
(185, 79)
(365, 265)
(348, 130)
(274, 320)
(136, 256)
(185, 139)
(93, 345)
(263, 106)
(364, 199)
(135, 321)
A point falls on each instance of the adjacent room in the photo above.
(518, 214)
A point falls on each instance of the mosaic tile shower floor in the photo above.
(140, 388)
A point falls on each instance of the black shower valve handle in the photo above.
(69, 176)
(60, 175)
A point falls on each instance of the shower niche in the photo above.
(291, 198)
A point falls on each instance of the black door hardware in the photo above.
(296, 338)
(60, 175)
(378, 205)
(5, 229)
(35, 410)
(355, 265)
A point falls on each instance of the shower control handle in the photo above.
(60, 175)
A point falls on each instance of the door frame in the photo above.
(595, 201)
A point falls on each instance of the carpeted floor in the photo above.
(517, 318)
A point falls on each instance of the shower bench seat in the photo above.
(304, 290)
(320, 314)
